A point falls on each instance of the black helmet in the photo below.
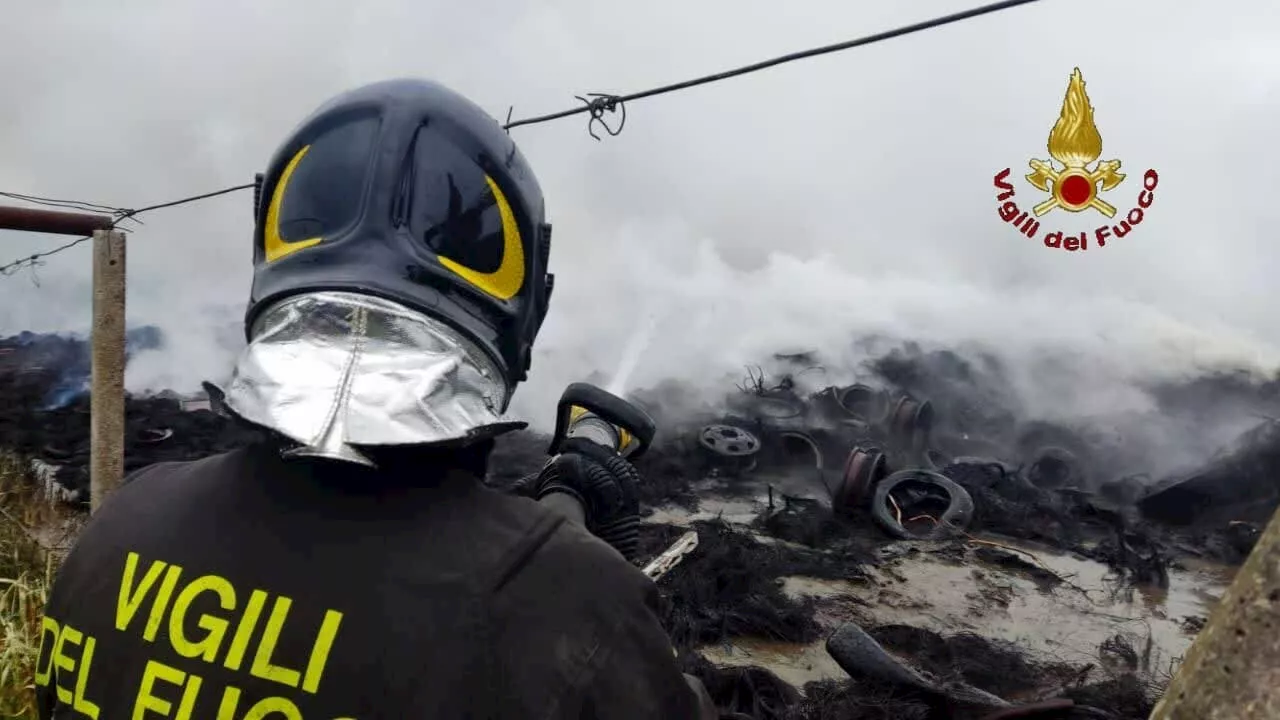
(406, 190)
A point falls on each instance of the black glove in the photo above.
(605, 483)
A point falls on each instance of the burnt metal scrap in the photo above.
(863, 470)
(1034, 479)
(850, 438)
(728, 448)
(1241, 484)
(921, 505)
(970, 467)
(861, 656)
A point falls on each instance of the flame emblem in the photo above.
(1075, 143)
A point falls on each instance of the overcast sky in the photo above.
(797, 207)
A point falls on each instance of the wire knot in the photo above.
(597, 106)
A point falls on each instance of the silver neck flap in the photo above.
(336, 370)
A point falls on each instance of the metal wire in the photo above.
(68, 204)
(37, 259)
(119, 214)
(602, 102)
(596, 105)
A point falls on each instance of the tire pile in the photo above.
(44, 414)
(884, 454)
(875, 450)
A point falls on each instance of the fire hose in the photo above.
(609, 431)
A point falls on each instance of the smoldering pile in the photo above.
(732, 589)
(44, 413)
(931, 447)
(927, 451)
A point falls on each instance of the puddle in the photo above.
(919, 588)
(1065, 624)
(737, 502)
(796, 663)
(740, 509)
(736, 512)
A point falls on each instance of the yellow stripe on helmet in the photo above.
(507, 280)
(274, 246)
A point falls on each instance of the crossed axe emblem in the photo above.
(1048, 179)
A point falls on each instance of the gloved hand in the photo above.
(604, 483)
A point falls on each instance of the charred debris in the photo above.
(928, 450)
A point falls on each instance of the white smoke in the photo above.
(806, 205)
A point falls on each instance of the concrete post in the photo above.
(106, 394)
(106, 449)
(1232, 669)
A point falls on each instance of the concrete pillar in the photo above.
(106, 454)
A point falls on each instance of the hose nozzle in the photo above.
(592, 413)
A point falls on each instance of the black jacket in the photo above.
(243, 583)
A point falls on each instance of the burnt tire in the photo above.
(864, 467)
(1053, 468)
(954, 519)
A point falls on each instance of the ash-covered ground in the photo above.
(912, 546)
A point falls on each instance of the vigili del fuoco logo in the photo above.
(1072, 185)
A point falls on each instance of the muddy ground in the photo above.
(1067, 579)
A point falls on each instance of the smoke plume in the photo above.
(806, 206)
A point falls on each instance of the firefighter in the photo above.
(353, 564)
